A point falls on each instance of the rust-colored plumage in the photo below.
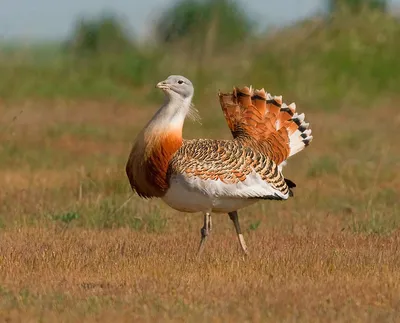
(148, 163)
(261, 120)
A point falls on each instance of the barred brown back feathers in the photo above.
(265, 123)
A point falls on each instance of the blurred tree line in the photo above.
(196, 27)
(357, 5)
(212, 24)
(104, 34)
(218, 23)
(214, 42)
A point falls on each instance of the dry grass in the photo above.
(123, 275)
(70, 253)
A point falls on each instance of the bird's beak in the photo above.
(162, 85)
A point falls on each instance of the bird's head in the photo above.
(177, 86)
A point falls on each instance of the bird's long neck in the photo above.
(154, 147)
(170, 117)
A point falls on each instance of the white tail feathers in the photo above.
(300, 138)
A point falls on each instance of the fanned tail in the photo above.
(262, 119)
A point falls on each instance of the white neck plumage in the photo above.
(171, 114)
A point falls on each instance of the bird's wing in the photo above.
(227, 169)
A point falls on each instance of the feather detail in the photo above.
(227, 161)
(265, 123)
(193, 114)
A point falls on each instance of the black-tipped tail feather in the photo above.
(291, 185)
(276, 197)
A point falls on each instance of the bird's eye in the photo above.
(180, 82)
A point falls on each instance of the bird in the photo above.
(217, 176)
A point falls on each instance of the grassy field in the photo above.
(71, 250)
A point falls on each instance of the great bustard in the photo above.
(221, 176)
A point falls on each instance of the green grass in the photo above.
(323, 165)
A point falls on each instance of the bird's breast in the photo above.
(148, 162)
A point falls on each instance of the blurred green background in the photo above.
(355, 46)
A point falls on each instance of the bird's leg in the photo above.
(205, 231)
(235, 219)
